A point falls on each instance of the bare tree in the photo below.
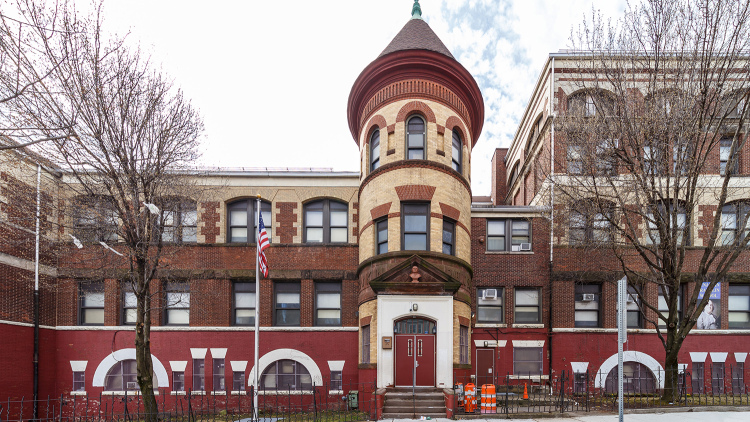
(126, 140)
(655, 100)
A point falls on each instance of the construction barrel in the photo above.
(470, 398)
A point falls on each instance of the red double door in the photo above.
(415, 360)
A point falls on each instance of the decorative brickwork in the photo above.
(376, 121)
(449, 211)
(211, 220)
(285, 219)
(454, 122)
(415, 192)
(415, 106)
(414, 164)
(380, 210)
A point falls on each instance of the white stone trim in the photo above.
(579, 367)
(490, 343)
(178, 365)
(490, 325)
(698, 356)
(198, 353)
(124, 354)
(78, 365)
(528, 325)
(528, 343)
(238, 365)
(630, 356)
(219, 353)
(740, 357)
(681, 368)
(77, 393)
(718, 357)
(336, 365)
(295, 355)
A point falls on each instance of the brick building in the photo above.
(396, 275)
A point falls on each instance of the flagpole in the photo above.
(257, 308)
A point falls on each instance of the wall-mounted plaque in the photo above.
(387, 342)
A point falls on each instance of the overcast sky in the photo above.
(272, 78)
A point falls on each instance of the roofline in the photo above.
(537, 87)
(511, 209)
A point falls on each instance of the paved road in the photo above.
(697, 415)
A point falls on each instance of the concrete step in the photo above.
(417, 403)
(418, 409)
(410, 415)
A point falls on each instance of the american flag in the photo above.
(263, 244)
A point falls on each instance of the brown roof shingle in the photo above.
(416, 35)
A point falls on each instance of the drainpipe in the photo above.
(36, 292)
(552, 207)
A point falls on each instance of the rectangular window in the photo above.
(738, 378)
(218, 373)
(739, 306)
(528, 306)
(91, 303)
(178, 381)
(415, 226)
(287, 304)
(177, 311)
(179, 222)
(449, 237)
(588, 305)
(199, 375)
(129, 305)
(633, 308)
(79, 381)
(698, 380)
(244, 303)
(717, 378)
(579, 382)
(490, 306)
(328, 304)
(518, 241)
(664, 309)
(463, 344)
(575, 159)
(336, 381)
(366, 344)
(381, 227)
(652, 160)
(527, 361)
(238, 381)
(725, 151)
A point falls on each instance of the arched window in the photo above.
(456, 151)
(636, 379)
(179, 220)
(415, 137)
(590, 103)
(375, 149)
(95, 219)
(734, 222)
(286, 375)
(326, 221)
(242, 215)
(122, 376)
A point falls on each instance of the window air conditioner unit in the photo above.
(489, 294)
(515, 248)
(525, 246)
(630, 299)
(132, 385)
(588, 297)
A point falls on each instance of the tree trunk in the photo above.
(671, 393)
(143, 352)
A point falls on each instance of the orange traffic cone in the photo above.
(525, 392)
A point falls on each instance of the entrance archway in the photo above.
(414, 352)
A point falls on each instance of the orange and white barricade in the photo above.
(459, 388)
(489, 399)
(470, 398)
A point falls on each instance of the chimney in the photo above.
(499, 176)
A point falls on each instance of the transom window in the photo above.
(287, 304)
(528, 306)
(95, 219)
(326, 221)
(375, 149)
(456, 159)
(414, 326)
(179, 221)
(490, 305)
(381, 228)
(328, 304)
(415, 138)
(734, 222)
(415, 226)
(242, 215)
(286, 375)
(244, 303)
(91, 300)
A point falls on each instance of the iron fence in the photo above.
(330, 402)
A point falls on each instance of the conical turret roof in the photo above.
(416, 35)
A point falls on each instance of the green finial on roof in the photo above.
(416, 11)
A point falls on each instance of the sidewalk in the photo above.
(656, 415)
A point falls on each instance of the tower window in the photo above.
(375, 150)
(456, 152)
(415, 134)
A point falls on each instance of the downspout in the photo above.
(552, 207)
(36, 293)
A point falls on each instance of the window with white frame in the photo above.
(244, 303)
(739, 306)
(91, 303)
(326, 222)
(575, 159)
(287, 304)
(652, 159)
(490, 305)
(336, 381)
(328, 304)
(129, 304)
(177, 309)
(527, 361)
(528, 306)
(588, 305)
